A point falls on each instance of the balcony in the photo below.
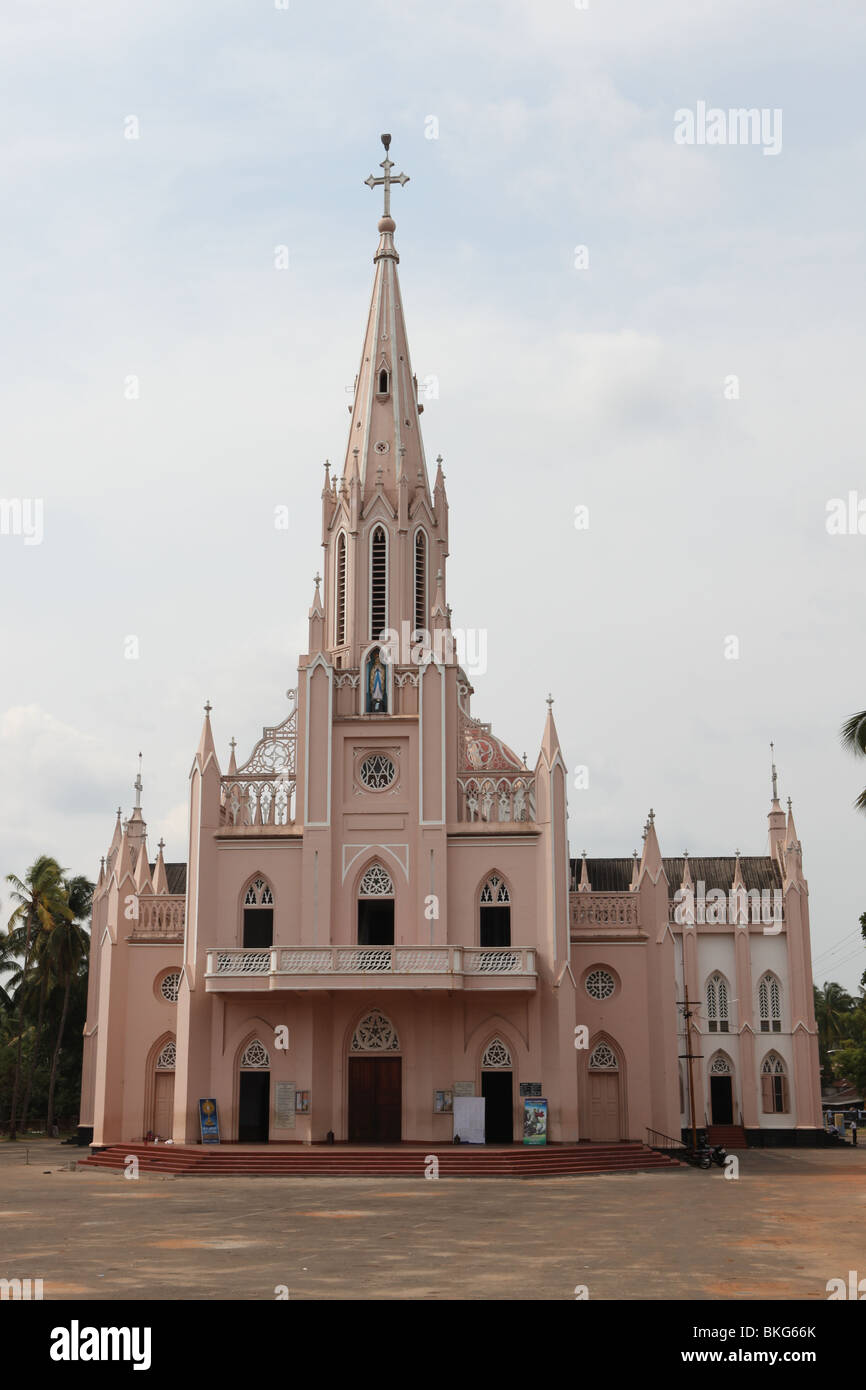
(354, 967)
(610, 912)
(160, 917)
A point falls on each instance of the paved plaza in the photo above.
(793, 1220)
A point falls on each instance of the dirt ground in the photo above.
(792, 1220)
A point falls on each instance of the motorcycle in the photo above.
(701, 1157)
(719, 1155)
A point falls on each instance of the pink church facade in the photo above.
(378, 909)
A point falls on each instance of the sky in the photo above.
(666, 334)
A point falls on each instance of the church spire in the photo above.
(385, 415)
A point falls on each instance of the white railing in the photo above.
(605, 910)
(370, 960)
(258, 801)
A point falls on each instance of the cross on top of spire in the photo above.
(389, 178)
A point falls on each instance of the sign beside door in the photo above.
(209, 1121)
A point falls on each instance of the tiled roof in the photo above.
(175, 875)
(614, 875)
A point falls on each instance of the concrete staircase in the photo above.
(729, 1136)
(394, 1161)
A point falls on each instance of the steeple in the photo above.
(206, 744)
(136, 828)
(776, 817)
(385, 415)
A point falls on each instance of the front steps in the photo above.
(397, 1161)
(729, 1136)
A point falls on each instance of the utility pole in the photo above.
(690, 1057)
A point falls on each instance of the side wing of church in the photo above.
(378, 910)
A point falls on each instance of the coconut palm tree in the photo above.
(40, 899)
(854, 739)
(67, 948)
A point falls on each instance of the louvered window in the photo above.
(420, 581)
(340, 625)
(378, 583)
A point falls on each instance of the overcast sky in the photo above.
(606, 385)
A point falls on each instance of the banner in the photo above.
(535, 1121)
(209, 1122)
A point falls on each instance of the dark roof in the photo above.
(176, 876)
(614, 875)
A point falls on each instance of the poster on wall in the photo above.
(535, 1121)
(443, 1102)
(284, 1105)
(302, 1102)
(209, 1121)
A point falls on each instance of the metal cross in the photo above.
(387, 164)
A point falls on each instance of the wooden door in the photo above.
(604, 1105)
(163, 1104)
(375, 1100)
(496, 1088)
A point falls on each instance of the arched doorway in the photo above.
(721, 1091)
(254, 1094)
(162, 1115)
(497, 1088)
(604, 1097)
(375, 1100)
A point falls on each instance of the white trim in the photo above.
(399, 853)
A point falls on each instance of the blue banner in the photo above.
(209, 1121)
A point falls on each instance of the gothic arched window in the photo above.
(340, 592)
(495, 913)
(770, 1004)
(420, 581)
(717, 1003)
(376, 907)
(258, 914)
(774, 1085)
(603, 1058)
(378, 583)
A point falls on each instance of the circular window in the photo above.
(377, 772)
(600, 984)
(169, 986)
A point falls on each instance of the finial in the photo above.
(685, 854)
(550, 702)
(773, 769)
(160, 844)
(208, 707)
(233, 743)
(317, 578)
(524, 758)
(652, 816)
(137, 785)
(119, 809)
(737, 853)
(439, 459)
(102, 862)
(385, 182)
(583, 854)
(634, 854)
(789, 803)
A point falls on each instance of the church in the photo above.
(378, 912)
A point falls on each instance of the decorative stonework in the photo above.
(255, 1056)
(773, 1065)
(495, 893)
(376, 883)
(375, 1033)
(169, 986)
(603, 1058)
(600, 984)
(167, 1059)
(259, 894)
(377, 772)
(496, 1056)
(720, 1066)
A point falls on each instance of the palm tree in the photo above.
(40, 899)
(67, 948)
(854, 739)
(833, 1009)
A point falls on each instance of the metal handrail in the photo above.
(652, 1135)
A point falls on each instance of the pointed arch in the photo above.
(775, 1088)
(374, 1032)
(341, 563)
(376, 904)
(770, 1003)
(420, 595)
(717, 995)
(493, 909)
(257, 912)
(601, 1045)
(378, 587)
(167, 1039)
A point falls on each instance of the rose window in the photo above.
(255, 1056)
(169, 986)
(375, 1033)
(496, 1055)
(600, 984)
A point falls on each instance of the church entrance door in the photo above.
(375, 1100)
(163, 1104)
(499, 1109)
(253, 1106)
(722, 1100)
(604, 1106)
